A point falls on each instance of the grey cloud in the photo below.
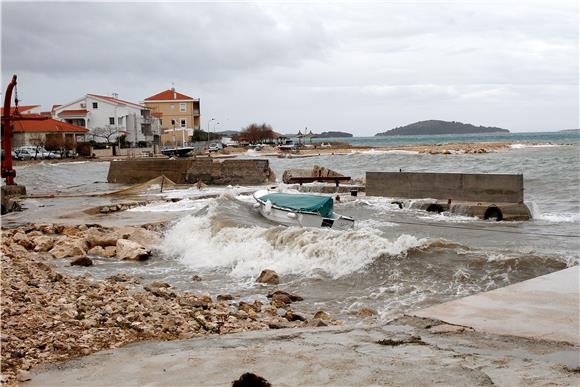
(151, 38)
(342, 66)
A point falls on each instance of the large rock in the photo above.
(268, 277)
(68, 248)
(43, 243)
(23, 240)
(130, 250)
(96, 237)
(145, 237)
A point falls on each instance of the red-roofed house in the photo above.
(177, 112)
(47, 131)
(21, 109)
(107, 117)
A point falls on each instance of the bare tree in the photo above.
(108, 133)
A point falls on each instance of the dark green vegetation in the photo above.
(431, 127)
(332, 135)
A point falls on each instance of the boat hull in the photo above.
(290, 217)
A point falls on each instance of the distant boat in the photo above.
(301, 210)
(179, 152)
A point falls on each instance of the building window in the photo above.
(95, 105)
(183, 123)
(173, 122)
(172, 107)
(182, 107)
(83, 105)
(160, 122)
(112, 120)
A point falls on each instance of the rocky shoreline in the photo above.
(49, 317)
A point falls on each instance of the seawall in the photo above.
(486, 196)
(189, 170)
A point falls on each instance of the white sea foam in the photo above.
(522, 146)
(382, 152)
(553, 217)
(246, 251)
(180, 206)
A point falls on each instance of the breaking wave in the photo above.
(228, 237)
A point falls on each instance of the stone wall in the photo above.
(136, 171)
(457, 186)
(230, 171)
(183, 171)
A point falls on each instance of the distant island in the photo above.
(332, 135)
(228, 133)
(432, 127)
(569, 131)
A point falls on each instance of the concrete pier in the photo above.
(545, 308)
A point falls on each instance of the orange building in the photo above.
(175, 110)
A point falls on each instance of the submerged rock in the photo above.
(97, 250)
(366, 312)
(269, 277)
(82, 261)
(322, 315)
(292, 297)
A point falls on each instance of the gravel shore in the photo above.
(50, 317)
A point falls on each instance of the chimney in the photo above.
(173, 91)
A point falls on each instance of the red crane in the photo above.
(7, 171)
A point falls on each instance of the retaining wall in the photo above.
(230, 171)
(182, 171)
(457, 186)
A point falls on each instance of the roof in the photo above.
(117, 101)
(21, 109)
(77, 112)
(296, 202)
(46, 126)
(168, 95)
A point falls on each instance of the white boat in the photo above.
(301, 210)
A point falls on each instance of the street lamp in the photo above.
(213, 119)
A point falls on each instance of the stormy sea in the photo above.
(394, 260)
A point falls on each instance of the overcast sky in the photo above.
(361, 67)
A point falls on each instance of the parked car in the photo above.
(30, 152)
(215, 147)
(24, 154)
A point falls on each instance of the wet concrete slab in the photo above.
(404, 352)
(546, 308)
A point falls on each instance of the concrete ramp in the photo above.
(545, 308)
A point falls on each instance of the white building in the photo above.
(110, 117)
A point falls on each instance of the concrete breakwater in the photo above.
(496, 196)
(190, 171)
